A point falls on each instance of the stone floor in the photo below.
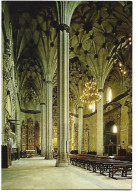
(37, 173)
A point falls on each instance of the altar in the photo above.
(30, 153)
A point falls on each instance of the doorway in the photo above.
(110, 138)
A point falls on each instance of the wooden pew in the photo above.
(124, 158)
(106, 165)
(103, 164)
(124, 168)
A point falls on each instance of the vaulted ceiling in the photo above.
(98, 41)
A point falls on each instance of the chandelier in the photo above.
(90, 93)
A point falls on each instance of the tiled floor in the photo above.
(37, 173)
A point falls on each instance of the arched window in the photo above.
(92, 106)
(114, 129)
(108, 95)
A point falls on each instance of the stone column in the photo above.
(18, 127)
(130, 126)
(73, 131)
(128, 103)
(72, 135)
(43, 121)
(80, 129)
(65, 10)
(5, 82)
(49, 154)
(100, 124)
(63, 99)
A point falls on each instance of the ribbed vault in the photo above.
(97, 30)
(99, 34)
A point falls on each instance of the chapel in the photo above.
(66, 85)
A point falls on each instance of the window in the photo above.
(92, 106)
(109, 95)
(114, 129)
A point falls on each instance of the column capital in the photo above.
(47, 82)
(42, 103)
(80, 106)
(101, 90)
(65, 8)
(63, 27)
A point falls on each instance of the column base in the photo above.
(46, 158)
(49, 156)
(60, 164)
(99, 154)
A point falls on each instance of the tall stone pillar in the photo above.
(49, 154)
(128, 103)
(100, 125)
(73, 131)
(5, 82)
(80, 129)
(65, 10)
(43, 121)
(63, 99)
(130, 126)
(18, 127)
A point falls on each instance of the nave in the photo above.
(66, 90)
(47, 176)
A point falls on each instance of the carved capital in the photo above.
(80, 107)
(47, 82)
(63, 27)
(42, 103)
(101, 90)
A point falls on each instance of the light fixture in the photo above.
(90, 93)
(122, 68)
(130, 41)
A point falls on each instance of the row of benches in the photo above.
(103, 165)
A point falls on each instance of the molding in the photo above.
(119, 97)
(42, 103)
(112, 110)
(100, 90)
(72, 114)
(88, 115)
(31, 111)
(63, 27)
(47, 82)
(80, 106)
